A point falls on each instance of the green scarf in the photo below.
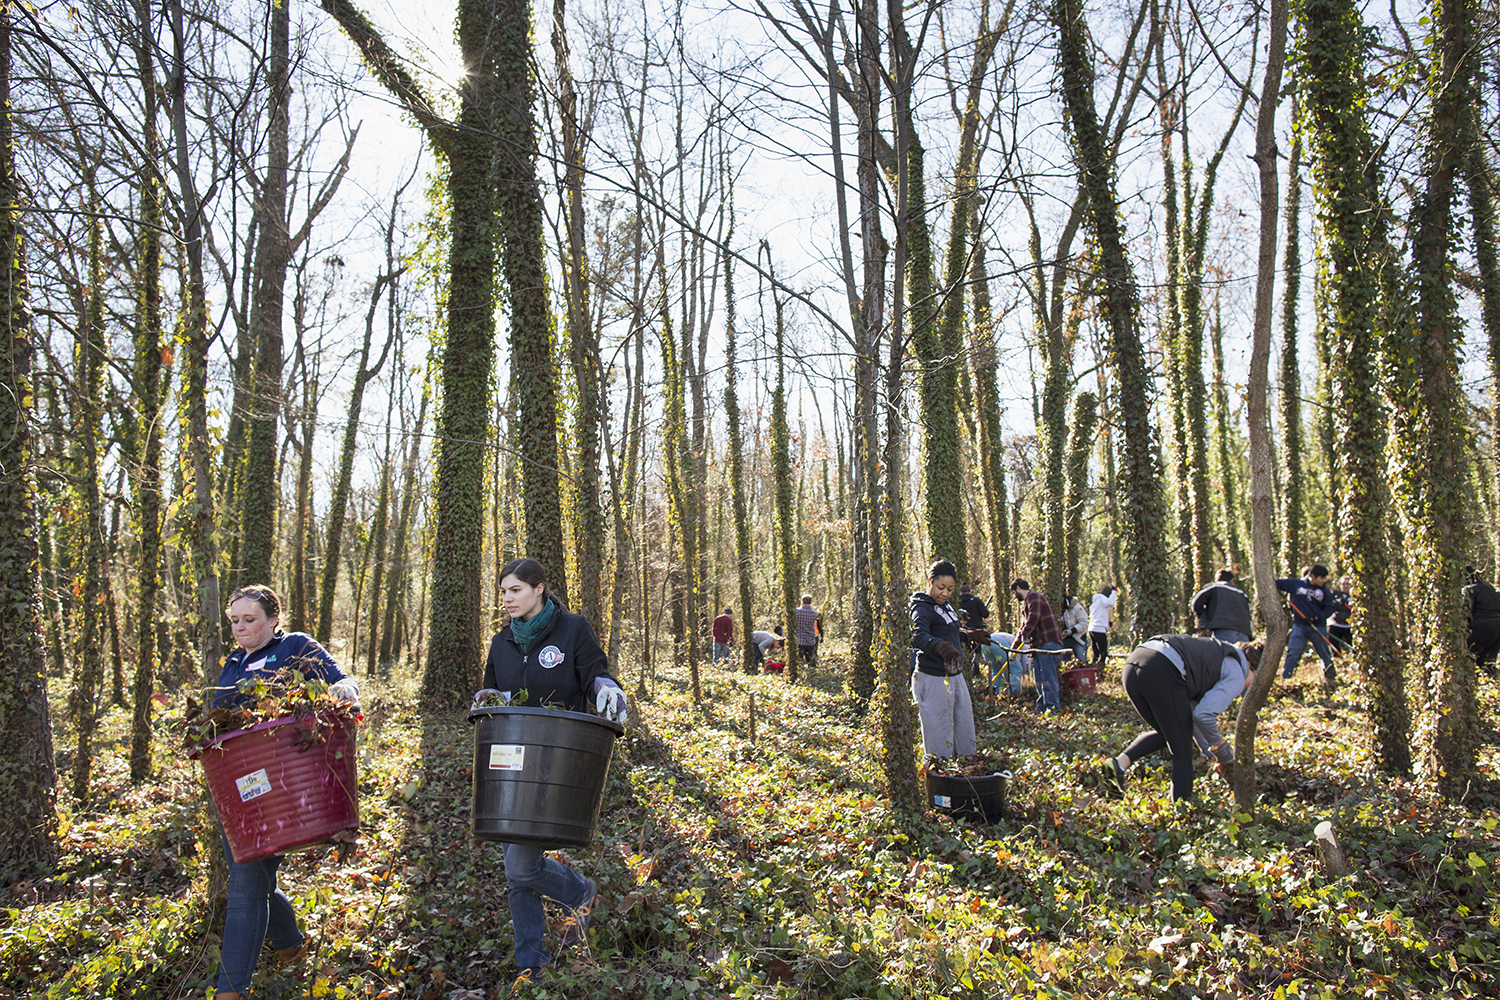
(523, 632)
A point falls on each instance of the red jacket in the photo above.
(723, 629)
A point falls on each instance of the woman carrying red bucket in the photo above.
(553, 656)
(257, 910)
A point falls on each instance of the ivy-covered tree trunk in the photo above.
(991, 438)
(28, 781)
(300, 605)
(144, 432)
(742, 546)
(519, 204)
(788, 558)
(1480, 183)
(942, 462)
(1432, 426)
(260, 493)
(1169, 102)
(1293, 548)
(88, 547)
(1334, 99)
(1148, 579)
(583, 345)
(1229, 480)
(678, 461)
(869, 311)
(1085, 419)
(894, 715)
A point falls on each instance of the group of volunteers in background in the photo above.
(1179, 684)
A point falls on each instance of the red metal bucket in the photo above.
(275, 796)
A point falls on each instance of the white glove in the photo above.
(610, 703)
(345, 691)
(486, 694)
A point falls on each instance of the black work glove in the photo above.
(953, 657)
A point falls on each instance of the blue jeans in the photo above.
(1044, 669)
(1230, 635)
(721, 651)
(256, 910)
(1302, 634)
(530, 875)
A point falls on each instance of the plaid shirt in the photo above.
(1038, 623)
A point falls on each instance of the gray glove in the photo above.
(610, 703)
(481, 697)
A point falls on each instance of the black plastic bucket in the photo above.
(539, 775)
(981, 797)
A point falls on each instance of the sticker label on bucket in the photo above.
(507, 757)
(945, 801)
(253, 784)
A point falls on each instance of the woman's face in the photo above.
(251, 626)
(941, 588)
(522, 600)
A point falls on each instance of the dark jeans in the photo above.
(1159, 693)
(530, 875)
(255, 910)
(809, 654)
(1484, 640)
(1101, 647)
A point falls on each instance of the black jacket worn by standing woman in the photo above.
(558, 668)
(931, 625)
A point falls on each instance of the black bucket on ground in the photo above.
(539, 775)
(981, 797)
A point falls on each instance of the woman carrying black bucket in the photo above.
(553, 656)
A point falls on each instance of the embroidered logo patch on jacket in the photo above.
(550, 657)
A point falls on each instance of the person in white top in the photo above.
(1099, 609)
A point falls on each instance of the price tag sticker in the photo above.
(507, 757)
(253, 785)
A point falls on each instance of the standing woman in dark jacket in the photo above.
(937, 678)
(553, 656)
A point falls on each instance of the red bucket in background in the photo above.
(1081, 680)
(275, 796)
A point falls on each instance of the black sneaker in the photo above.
(1113, 778)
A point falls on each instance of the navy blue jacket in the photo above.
(297, 650)
(931, 625)
(1309, 603)
(559, 667)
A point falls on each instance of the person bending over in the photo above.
(1179, 684)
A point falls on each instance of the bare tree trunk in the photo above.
(1262, 494)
